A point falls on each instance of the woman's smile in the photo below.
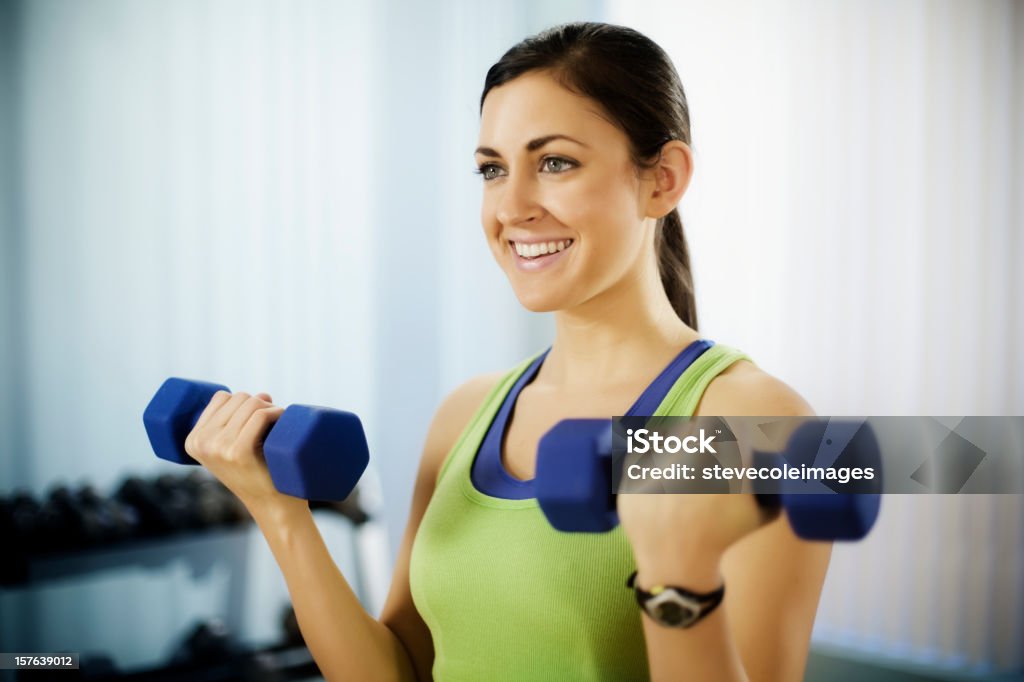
(531, 256)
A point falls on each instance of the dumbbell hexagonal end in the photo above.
(173, 412)
(573, 479)
(831, 516)
(824, 515)
(316, 453)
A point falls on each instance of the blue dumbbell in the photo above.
(574, 482)
(314, 453)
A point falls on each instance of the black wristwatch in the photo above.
(675, 607)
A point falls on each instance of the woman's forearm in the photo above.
(346, 642)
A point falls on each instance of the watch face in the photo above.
(673, 609)
(673, 614)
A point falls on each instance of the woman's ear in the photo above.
(671, 176)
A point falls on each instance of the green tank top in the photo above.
(506, 596)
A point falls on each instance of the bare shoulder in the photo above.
(744, 389)
(453, 415)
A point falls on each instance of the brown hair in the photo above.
(634, 80)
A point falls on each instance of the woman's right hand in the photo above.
(228, 440)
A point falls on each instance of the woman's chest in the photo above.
(536, 412)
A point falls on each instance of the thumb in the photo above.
(265, 397)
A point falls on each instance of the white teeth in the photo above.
(540, 249)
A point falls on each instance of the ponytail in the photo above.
(674, 267)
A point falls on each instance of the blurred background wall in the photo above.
(278, 196)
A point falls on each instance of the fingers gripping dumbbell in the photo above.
(574, 482)
(315, 453)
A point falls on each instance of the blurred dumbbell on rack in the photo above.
(215, 504)
(77, 518)
(209, 641)
(107, 519)
(212, 652)
(349, 508)
(155, 517)
(174, 503)
(67, 519)
(20, 515)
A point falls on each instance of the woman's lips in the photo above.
(539, 262)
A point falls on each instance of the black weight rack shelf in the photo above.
(25, 566)
(199, 546)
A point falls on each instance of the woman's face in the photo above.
(562, 209)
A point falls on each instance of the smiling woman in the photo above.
(584, 155)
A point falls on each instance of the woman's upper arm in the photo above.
(773, 578)
(399, 612)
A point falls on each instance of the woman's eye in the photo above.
(556, 164)
(488, 171)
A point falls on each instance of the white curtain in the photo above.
(856, 226)
(276, 195)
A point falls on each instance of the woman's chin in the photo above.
(538, 302)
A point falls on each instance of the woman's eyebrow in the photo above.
(532, 145)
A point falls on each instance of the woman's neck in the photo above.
(615, 339)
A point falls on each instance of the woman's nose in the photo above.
(518, 202)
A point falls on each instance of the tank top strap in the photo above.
(655, 393)
(487, 471)
(481, 420)
(684, 396)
